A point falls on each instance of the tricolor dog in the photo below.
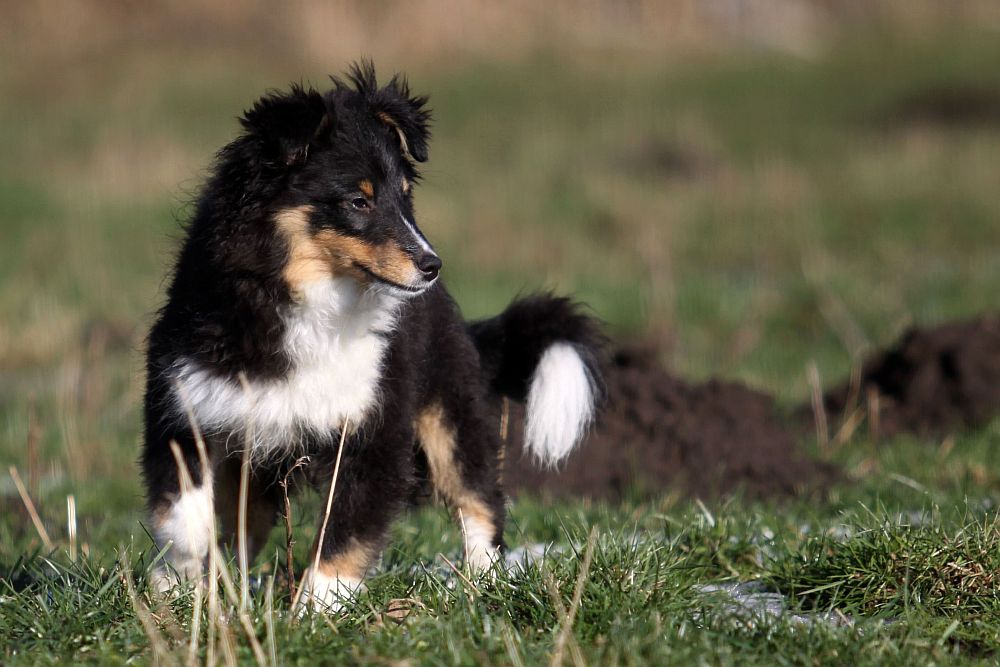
(306, 304)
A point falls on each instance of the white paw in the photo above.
(167, 576)
(481, 559)
(480, 552)
(321, 592)
(183, 532)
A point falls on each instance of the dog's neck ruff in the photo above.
(335, 338)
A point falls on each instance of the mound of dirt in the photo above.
(934, 380)
(659, 432)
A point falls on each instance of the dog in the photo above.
(306, 316)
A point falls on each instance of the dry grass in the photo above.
(29, 505)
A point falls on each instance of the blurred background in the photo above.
(752, 185)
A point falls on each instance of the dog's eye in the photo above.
(360, 203)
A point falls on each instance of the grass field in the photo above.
(753, 212)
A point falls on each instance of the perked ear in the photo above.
(407, 115)
(285, 124)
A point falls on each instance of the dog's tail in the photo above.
(543, 351)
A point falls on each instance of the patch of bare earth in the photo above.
(662, 433)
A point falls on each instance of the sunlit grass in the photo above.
(753, 214)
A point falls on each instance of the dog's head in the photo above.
(341, 168)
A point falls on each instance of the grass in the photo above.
(905, 583)
(755, 213)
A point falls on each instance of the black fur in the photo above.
(229, 301)
(511, 343)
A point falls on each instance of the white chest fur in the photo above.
(333, 340)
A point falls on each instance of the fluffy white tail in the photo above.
(561, 403)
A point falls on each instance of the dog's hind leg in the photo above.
(464, 460)
(182, 516)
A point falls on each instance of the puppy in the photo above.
(305, 307)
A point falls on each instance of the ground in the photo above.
(756, 216)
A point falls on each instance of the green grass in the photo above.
(917, 594)
(806, 230)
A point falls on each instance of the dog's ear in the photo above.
(407, 115)
(285, 124)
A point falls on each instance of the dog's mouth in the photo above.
(409, 290)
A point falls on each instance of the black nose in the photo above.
(429, 265)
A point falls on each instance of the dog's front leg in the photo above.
(371, 489)
(463, 453)
(181, 508)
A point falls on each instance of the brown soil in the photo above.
(948, 105)
(659, 432)
(933, 381)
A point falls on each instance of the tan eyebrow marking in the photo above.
(366, 187)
